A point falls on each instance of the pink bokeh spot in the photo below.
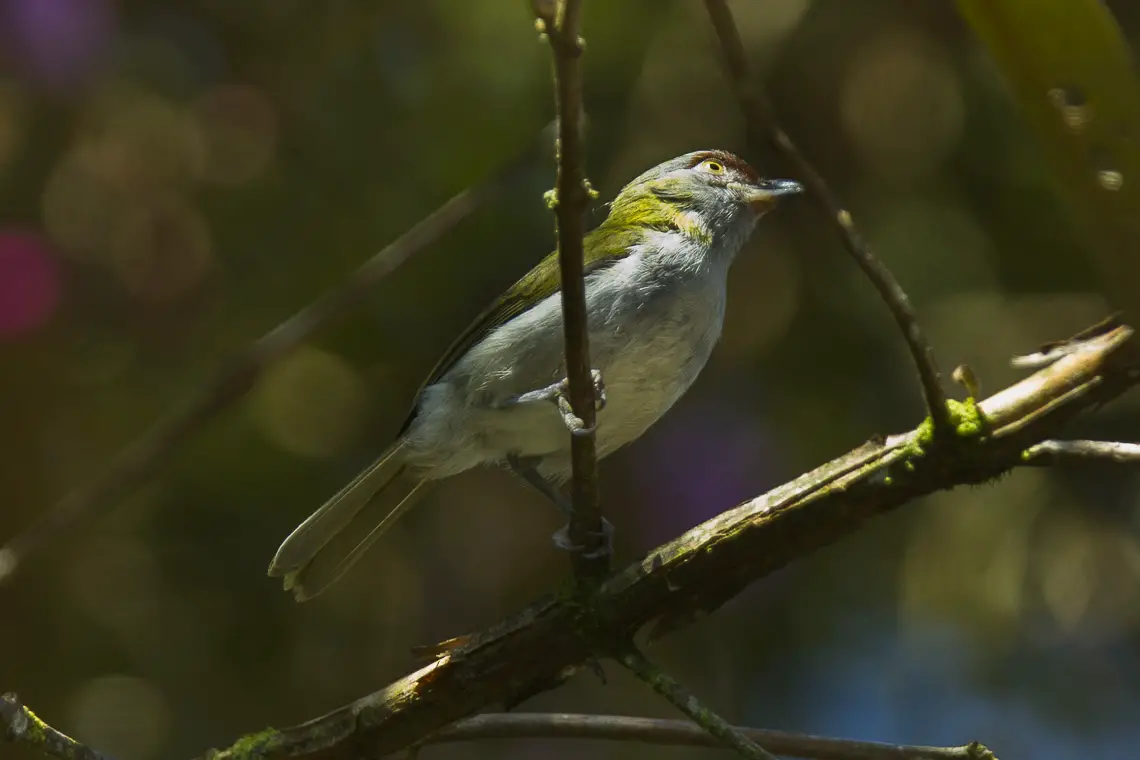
(29, 283)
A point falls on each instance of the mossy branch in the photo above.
(546, 643)
(19, 725)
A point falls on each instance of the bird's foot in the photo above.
(559, 394)
(606, 548)
(526, 469)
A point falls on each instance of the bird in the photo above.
(656, 272)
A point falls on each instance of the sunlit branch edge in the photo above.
(1052, 453)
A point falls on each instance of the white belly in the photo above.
(649, 344)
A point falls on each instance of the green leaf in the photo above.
(1072, 74)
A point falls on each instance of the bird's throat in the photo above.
(691, 226)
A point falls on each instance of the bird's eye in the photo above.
(715, 167)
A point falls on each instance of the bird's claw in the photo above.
(562, 398)
(562, 541)
(559, 394)
(599, 389)
(576, 424)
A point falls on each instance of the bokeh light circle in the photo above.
(239, 129)
(120, 714)
(161, 249)
(311, 403)
(902, 104)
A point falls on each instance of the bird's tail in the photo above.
(322, 548)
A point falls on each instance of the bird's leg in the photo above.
(526, 468)
(559, 394)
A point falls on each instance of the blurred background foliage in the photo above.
(178, 177)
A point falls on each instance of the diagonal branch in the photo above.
(545, 644)
(540, 647)
(716, 726)
(150, 452)
(762, 127)
(571, 196)
(682, 733)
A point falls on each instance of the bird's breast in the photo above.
(652, 329)
(651, 350)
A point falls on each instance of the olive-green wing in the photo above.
(539, 283)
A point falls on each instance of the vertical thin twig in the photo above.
(762, 127)
(562, 27)
(662, 683)
(150, 452)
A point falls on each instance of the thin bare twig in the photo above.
(661, 682)
(762, 127)
(19, 725)
(151, 451)
(1049, 453)
(682, 733)
(571, 198)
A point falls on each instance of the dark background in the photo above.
(178, 177)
